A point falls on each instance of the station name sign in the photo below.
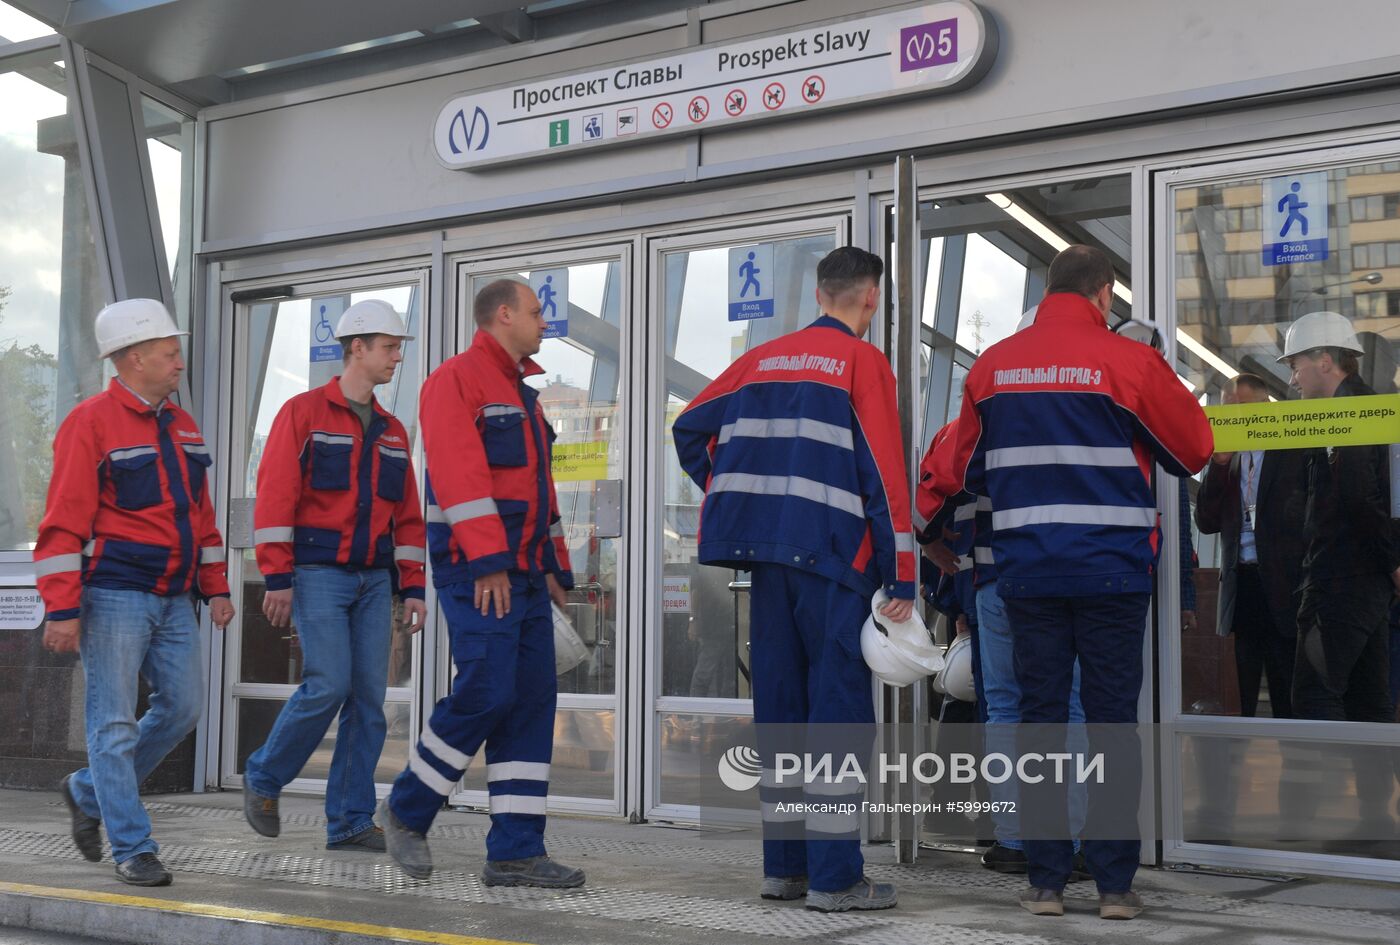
(933, 47)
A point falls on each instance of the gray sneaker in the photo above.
(531, 871)
(261, 813)
(1039, 901)
(1124, 905)
(87, 835)
(409, 848)
(783, 887)
(866, 894)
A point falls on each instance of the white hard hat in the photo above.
(569, 650)
(371, 317)
(123, 324)
(1320, 330)
(1136, 329)
(955, 679)
(897, 653)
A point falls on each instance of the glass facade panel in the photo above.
(688, 750)
(579, 396)
(585, 756)
(170, 146)
(1290, 795)
(256, 717)
(49, 290)
(704, 639)
(279, 336)
(1296, 616)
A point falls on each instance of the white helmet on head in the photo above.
(1320, 330)
(371, 317)
(955, 679)
(569, 649)
(123, 324)
(897, 653)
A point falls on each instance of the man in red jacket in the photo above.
(129, 478)
(1061, 426)
(338, 531)
(498, 558)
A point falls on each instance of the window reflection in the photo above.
(1278, 544)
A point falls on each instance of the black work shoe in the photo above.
(532, 871)
(143, 869)
(261, 813)
(1079, 869)
(1004, 859)
(87, 834)
(369, 840)
(408, 847)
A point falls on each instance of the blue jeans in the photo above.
(1003, 697)
(1105, 634)
(343, 619)
(126, 635)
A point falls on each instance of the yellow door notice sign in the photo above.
(579, 462)
(1304, 424)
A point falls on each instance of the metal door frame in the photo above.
(883, 207)
(232, 335)
(710, 234)
(1177, 726)
(463, 267)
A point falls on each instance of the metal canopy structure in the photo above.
(219, 50)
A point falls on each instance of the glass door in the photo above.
(698, 666)
(284, 346)
(583, 295)
(983, 259)
(1280, 749)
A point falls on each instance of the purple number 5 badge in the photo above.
(928, 44)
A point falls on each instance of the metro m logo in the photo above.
(474, 136)
(928, 44)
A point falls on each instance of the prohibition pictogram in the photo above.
(699, 108)
(813, 88)
(774, 96)
(662, 114)
(735, 102)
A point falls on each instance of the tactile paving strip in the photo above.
(722, 915)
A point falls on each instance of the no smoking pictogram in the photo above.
(774, 96)
(735, 102)
(813, 88)
(662, 114)
(698, 109)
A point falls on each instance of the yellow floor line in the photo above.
(251, 915)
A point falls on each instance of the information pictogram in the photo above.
(774, 96)
(662, 114)
(735, 103)
(813, 88)
(698, 109)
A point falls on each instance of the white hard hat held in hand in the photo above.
(1320, 330)
(123, 324)
(371, 317)
(955, 679)
(897, 653)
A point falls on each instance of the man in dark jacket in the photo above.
(1254, 501)
(1351, 567)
